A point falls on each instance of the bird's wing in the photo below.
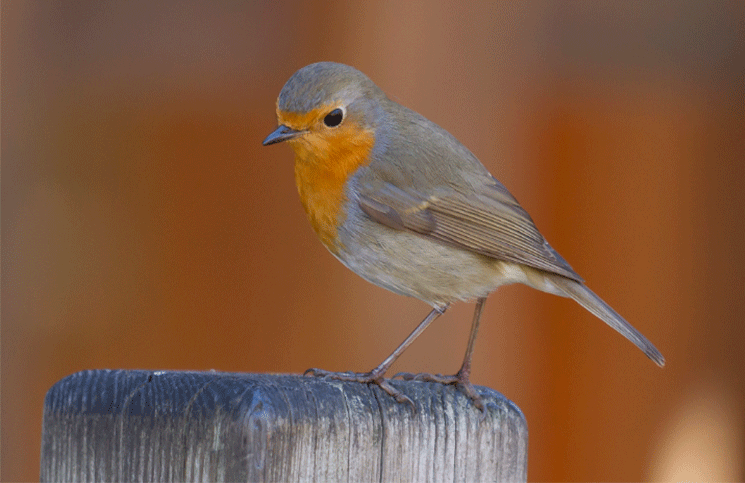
(489, 221)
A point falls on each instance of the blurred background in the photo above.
(144, 225)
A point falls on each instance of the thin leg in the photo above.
(462, 379)
(376, 375)
(465, 368)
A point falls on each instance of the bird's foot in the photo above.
(459, 380)
(371, 377)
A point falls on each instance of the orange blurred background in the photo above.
(144, 225)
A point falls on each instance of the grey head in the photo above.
(326, 83)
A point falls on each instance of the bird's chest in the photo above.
(323, 169)
(322, 195)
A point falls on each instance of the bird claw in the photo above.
(395, 393)
(460, 381)
(363, 378)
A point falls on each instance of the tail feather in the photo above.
(587, 299)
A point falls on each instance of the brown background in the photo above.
(144, 226)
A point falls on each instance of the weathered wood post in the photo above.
(106, 425)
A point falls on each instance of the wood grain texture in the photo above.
(116, 425)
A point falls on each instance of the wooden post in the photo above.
(116, 425)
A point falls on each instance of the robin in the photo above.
(402, 203)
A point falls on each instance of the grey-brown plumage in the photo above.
(473, 212)
(418, 214)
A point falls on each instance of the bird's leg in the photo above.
(376, 375)
(462, 379)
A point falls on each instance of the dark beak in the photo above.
(282, 133)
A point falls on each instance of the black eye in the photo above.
(334, 118)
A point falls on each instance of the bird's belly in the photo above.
(410, 264)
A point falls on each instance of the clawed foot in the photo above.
(459, 380)
(364, 378)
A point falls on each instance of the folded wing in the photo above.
(488, 221)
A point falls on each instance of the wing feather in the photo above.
(491, 223)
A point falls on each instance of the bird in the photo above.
(402, 203)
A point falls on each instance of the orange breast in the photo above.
(325, 159)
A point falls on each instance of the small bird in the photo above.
(402, 203)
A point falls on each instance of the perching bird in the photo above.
(402, 203)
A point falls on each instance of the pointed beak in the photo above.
(282, 133)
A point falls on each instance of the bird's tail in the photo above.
(587, 299)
